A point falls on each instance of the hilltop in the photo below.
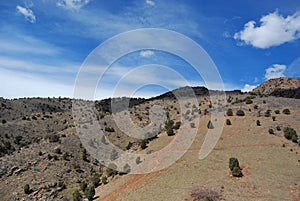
(283, 87)
(39, 147)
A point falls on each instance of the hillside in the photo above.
(39, 147)
(282, 87)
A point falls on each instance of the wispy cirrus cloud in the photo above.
(72, 4)
(27, 13)
(274, 30)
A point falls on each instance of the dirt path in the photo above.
(132, 182)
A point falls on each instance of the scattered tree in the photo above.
(258, 123)
(96, 179)
(104, 180)
(90, 192)
(286, 111)
(235, 167)
(229, 112)
(27, 189)
(210, 125)
(228, 122)
(290, 134)
(237, 172)
(240, 113)
(76, 196)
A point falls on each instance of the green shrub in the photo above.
(83, 186)
(233, 162)
(53, 138)
(236, 172)
(286, 111)
(84, 155)
(170, 131)
(108, 129)
(104, 180)
(229, 112)
(177, 125)
(240, 113)
(249, 101)
(210, 125)
(268, 113)
(277, 111)
(278, 128)
(129, 145)
(76, 196)
(3, 121)
(274, 118)
(143, 143)
(271, 131)
(290, 134)
(58, 151)
(18, 139)
(27, 189)
(258, 123)
(96, 179)
(255, 107)
(90, 192)
(228, 122)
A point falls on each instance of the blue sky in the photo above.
(43, 43)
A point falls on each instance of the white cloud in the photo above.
(248, 87)
(275, 71)
(146, 53)
(150, 2)
(28, 14)
(273, 31)
(72, 4)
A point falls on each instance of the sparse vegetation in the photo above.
(286, 111)
(27, 189)
(271, 131)
(90, 192)
(229, 112)
(76, 196)
(268, 113)
(290, 134)
(228, 122)
(240, 113)
(258, 123)
(234, 166)
(210, 125)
